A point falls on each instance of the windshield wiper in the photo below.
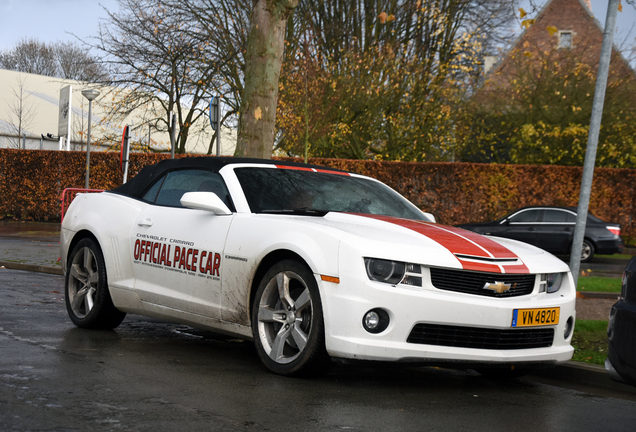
(304, 211)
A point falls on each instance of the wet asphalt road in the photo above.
(149, 375)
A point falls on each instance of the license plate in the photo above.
(535, 317)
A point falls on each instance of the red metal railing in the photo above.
(69, 194)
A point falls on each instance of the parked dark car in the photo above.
(621, 331)
(552, 229)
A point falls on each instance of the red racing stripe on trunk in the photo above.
(464, 243)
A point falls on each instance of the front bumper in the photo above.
(345, 305)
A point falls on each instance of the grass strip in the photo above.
(590, 341)
(599, 284)
(615, 256)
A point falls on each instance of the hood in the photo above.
(439, 245)
(478, 224)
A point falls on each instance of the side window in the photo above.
(554, 216)
(169, 189)
(526, 216)
(151, 194)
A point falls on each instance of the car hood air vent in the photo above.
(511, 260)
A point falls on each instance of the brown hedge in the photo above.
(31, 185)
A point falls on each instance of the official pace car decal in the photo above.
(176, 255)
(472, 250)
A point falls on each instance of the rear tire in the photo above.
(287, 321)
(88, 300)
(587, 251)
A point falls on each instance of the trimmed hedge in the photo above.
(32, 181)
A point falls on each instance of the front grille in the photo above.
(473, 282)
(481, 338)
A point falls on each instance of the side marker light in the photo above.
(331, 279)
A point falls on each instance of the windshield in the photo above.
(276, 190)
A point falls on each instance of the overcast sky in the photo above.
(50, 20)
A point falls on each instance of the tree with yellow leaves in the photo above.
(380, 79)
(537, 109)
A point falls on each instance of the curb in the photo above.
(31, 267)
(580, 375)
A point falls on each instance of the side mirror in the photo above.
(208, 201)
(430, 217)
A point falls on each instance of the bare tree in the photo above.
(160, 54)
(75, 63)
(60, 59)
(224, 24)
(31, 56)
(20, 113)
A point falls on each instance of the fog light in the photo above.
(372, 320)
(569, 326)
(375, 321)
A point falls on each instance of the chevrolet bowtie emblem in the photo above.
(498, 287)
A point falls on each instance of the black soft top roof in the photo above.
(136, 186)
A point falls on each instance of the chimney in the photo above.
(588, 3)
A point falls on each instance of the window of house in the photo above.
(565, 39)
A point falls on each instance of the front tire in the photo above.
(287, 321)
(88, 301)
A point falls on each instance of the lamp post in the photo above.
(89, 94)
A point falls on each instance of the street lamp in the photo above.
(89, 94)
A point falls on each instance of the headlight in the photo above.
(551, 282)
(386, 271)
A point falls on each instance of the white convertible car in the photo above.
(311, 263)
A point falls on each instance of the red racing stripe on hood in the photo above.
(464, 245)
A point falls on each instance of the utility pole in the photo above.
(592, 139)
(173, 135)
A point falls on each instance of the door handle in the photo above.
(145, 223)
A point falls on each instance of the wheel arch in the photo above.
(79, 236)
(587, 239)
(266, 263)
(590, 241)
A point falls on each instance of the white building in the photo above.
(30, 110)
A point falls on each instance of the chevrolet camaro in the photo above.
(311, 263)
